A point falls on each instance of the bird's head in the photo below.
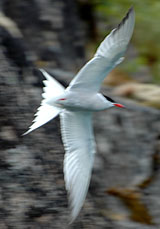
(113, 103)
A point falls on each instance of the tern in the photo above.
(76, 105)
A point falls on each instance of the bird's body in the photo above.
(81, 102)
(76, 104)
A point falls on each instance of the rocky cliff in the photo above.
(124, 190)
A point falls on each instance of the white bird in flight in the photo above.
(76, 104)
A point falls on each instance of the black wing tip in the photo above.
(130, 11)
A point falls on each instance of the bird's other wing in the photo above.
(46, 112)
(109, 54)
(79, 144)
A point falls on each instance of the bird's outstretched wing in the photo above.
(79, 144)
(46, 112)
(109, 54)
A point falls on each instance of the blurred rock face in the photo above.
(146, 94)
(32, 195)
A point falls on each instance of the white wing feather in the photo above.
(76, 126)
(109, 54)
(77, 135)
(46, 112)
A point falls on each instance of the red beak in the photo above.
(119, 105)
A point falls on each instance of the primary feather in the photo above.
(78, 139)
(109, 54)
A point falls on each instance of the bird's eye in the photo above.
(109, 99)
(62, 99)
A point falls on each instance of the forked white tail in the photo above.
(46, 112)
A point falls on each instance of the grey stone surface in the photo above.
(32, 192)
